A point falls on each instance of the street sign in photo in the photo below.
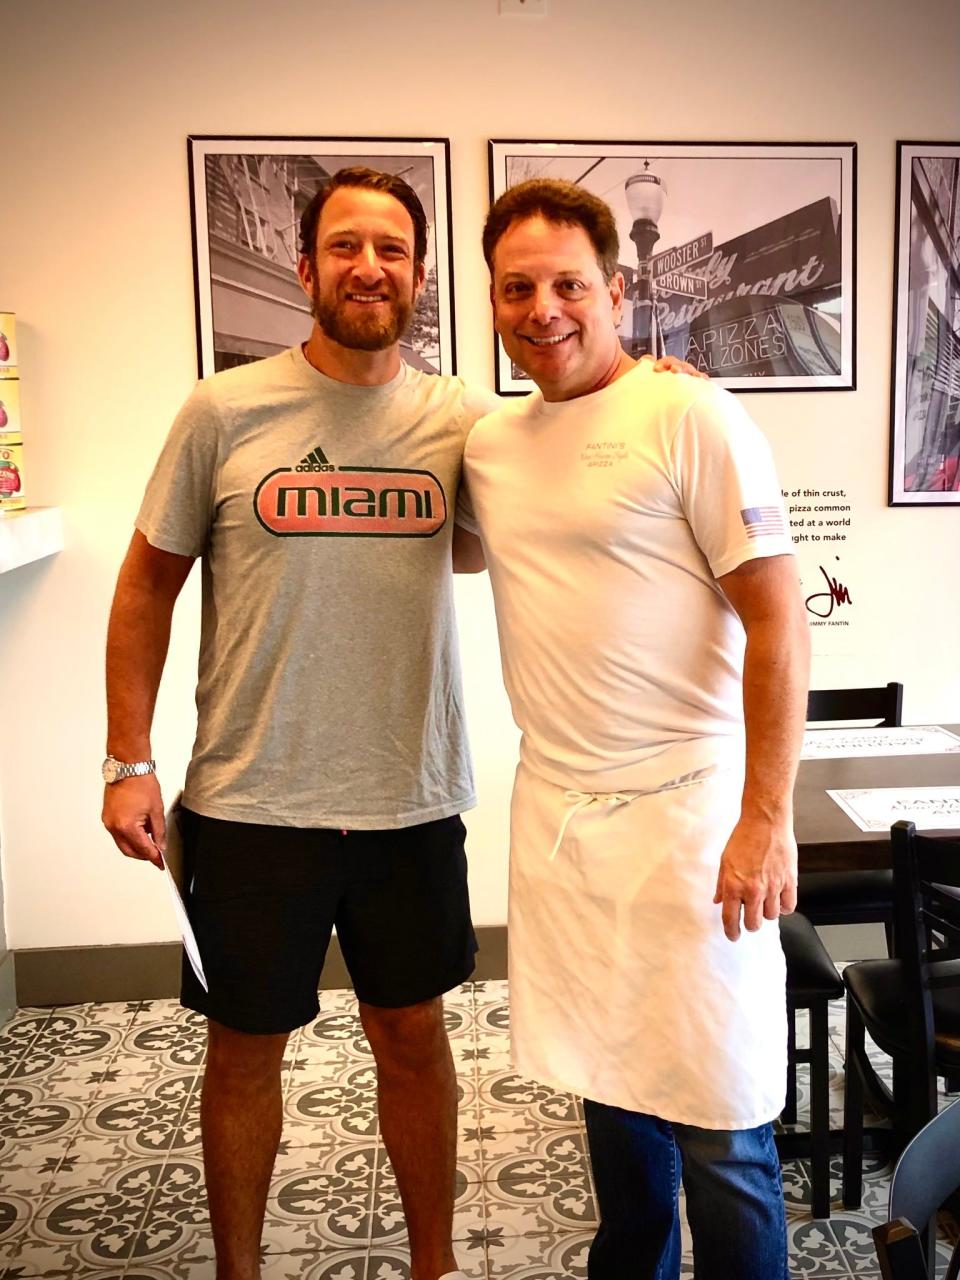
(677, 282)
(682, 255)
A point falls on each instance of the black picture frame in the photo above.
(762, 238)
(925, 373)
(246, 196)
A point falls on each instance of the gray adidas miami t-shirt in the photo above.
(329, 684)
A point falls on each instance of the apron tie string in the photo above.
(580, 800)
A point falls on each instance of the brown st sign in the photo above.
(678, 282)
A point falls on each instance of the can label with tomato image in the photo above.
(8, 345)
(9, 409)
(12, 495)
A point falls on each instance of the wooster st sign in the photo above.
(682, 255)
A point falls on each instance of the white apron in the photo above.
(623, 987)
(608, 521)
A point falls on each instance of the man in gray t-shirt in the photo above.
(317, 488)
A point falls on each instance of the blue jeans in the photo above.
(734, 1199)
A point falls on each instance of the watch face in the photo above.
(109, 769)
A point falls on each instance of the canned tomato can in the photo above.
(10, 409)
(8, 344)
(12, 495)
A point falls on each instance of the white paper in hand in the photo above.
(173, 873)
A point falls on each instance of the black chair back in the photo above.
(883, 704)
(927, 941)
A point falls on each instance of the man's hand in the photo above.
(150, 581)
(467, 551)
(673, 364)
(758, 870)
(133, 814)
(758, 875)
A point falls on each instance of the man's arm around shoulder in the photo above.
(137, 639)
(758, 870)
(468, 554)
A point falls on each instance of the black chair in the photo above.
(851, 897)
(910, 1005)
(812, 982)
(883, 705)
(927, 1173)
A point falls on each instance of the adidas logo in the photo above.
(316, 460)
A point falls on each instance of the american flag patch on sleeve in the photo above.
(762, 522)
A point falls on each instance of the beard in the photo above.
(364, 332)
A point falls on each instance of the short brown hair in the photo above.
(566, 205)
(369, 180)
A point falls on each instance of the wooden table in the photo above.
(827, 839)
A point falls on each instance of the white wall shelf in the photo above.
(29, 535)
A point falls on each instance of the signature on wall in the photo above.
(823, 603)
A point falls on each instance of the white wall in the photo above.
(95, 259)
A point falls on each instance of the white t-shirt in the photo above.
(607, 521)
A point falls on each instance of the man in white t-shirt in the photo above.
(648, 605)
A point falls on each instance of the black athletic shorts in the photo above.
(263, 902)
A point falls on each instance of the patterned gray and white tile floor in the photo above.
(101, 1175)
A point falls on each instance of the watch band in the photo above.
(114, 770)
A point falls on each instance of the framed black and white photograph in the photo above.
(738, 257)
(247, 195)
(925, 386)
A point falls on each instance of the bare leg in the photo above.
(240, 1117)
(417, 1095)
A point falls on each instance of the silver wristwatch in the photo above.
(115, 770)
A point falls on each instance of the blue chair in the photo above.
(927, 1173)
